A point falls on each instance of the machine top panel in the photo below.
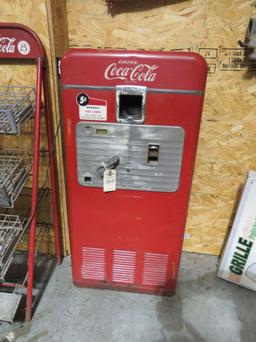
(154, 70)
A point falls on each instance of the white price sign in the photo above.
(109, 180)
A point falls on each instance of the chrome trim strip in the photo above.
(149, 90)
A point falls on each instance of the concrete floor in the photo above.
(205, 309)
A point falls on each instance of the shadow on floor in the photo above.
(174, 328)
(170, 315)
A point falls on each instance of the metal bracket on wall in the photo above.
(58, 67)
(250, 38)
(112, 3)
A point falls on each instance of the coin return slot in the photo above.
(153, 154)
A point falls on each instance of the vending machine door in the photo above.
(131, 123)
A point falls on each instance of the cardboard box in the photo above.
(238, 262)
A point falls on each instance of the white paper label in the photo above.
(93, 113)
(109, 180)
(91, 108)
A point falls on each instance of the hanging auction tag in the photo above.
(109, 180)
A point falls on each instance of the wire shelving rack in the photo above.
(18, 104)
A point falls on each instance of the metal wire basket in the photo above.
(17, 105)
(12, 228)
(14, 172)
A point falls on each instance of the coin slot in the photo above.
(153, 154)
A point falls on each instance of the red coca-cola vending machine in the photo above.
(131, 123)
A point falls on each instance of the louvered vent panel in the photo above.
(93, 263)
(123, 266)
(155, 269)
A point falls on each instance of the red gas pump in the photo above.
(131, 123)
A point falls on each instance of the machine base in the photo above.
(135, 289)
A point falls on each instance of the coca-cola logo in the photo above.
(7, 45)
(131, 71)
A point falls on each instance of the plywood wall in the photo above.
(210, 27)
(227, 140)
